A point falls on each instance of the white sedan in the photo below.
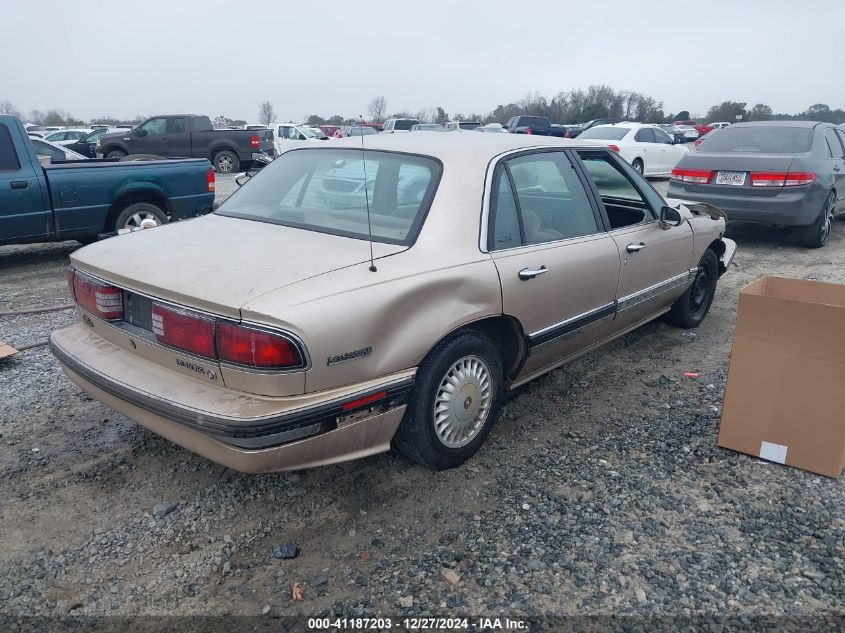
(650, 150)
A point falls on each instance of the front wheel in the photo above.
(454, 403)
(116, 153)
(816, 235)
(692, 306)
(226, 162)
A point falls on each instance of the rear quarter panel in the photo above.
(400, 312)
(84, 193)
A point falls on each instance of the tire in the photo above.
(226, 162)
(817, 234)
(133, 214)
(692, 306)
(638, 166)
(470, 362)
(116, 153)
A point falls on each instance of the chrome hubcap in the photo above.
(140, 219)
(462, 403)
(827, 223)
(224, 163)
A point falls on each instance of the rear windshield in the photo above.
(532, 120)
(404, 124)
(766, 140)
(328, 190)
(605, 133)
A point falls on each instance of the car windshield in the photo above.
(337, 191)
(605, 133)
(760, 139)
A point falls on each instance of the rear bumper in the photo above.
(191, 206)
(293, 433)
(799, 207)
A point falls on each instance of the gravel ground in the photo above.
(601, 491)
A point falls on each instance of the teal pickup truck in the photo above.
(84, 199)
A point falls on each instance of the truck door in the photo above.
(178, 138)
(22, 212)
(150, 138)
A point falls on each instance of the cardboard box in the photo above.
(785, 397)
(6, 350)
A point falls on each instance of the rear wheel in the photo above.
(226, 162)
(692, 306)
(138, 215)
(816, 235)
(454, 403)
(638, 166)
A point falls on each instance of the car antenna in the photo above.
(367, 196)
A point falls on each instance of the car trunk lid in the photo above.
(217, 264)
(736, 168)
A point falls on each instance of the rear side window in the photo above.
(8, 155)
(760, 139)
(504, 218)
(834, 146)
(404, 124)
(646, 135)
(551, 203)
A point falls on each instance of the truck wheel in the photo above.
(133, 215)
(692, 306)
(454, 403)
(116, 153)
(226, 162)
(815, 235)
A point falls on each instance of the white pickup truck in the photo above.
(289, 135)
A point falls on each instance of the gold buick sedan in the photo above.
(354, 296)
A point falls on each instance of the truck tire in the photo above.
(455, 402)
(815, 235)
(226, 162)
(133, 214)
(115, 153)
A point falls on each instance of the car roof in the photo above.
(457, 147)
(806, 124)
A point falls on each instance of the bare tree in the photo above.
(266, 114)
(377, 109)
(7, 107)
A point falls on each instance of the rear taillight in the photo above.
(255, 348)
(614, 147)
(253, 141)
(184, 330)
(695, 176)
(99, 299)
(209, 180)
(781, 179)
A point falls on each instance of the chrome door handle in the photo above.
(529, 273)
(633, 248)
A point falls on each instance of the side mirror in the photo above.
(670, 217)
(140, 132)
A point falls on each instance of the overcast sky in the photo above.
(122, 59)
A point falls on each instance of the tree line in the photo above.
(575, 106)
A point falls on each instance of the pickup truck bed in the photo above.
(83, 199)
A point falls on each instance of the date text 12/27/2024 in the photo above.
(418, 624)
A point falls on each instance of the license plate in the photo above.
(730, 178)
(138, 310)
